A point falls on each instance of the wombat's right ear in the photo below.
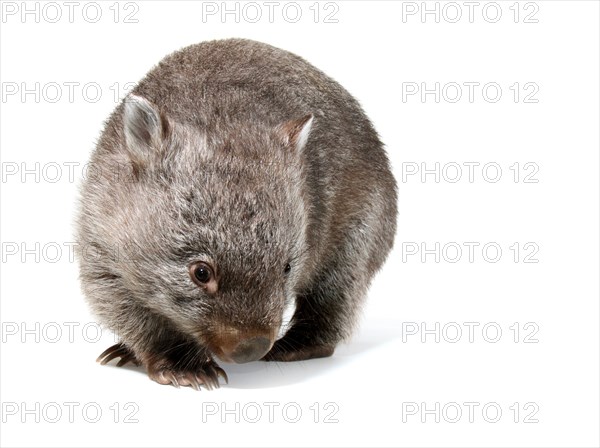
(144, 128)
(296, 132)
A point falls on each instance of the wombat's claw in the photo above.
(220, 373)
(207, 376)
(117, 351)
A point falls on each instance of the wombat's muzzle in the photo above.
(232, 344)
(250, 350)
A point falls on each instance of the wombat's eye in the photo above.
(287, 269)
(202, 274)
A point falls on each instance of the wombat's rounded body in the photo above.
(240, 206)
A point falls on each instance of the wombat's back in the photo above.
(242, 79)
(235, 80)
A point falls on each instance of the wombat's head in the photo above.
(217, 216)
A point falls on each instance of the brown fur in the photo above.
(245, 157)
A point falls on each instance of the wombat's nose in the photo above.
(251, 350)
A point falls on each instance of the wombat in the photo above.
(255, 202)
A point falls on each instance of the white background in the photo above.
(379, 384)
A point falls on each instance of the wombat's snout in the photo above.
(250, 350)
(233, 345)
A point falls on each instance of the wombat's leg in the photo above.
(328, 310)
(287, 349)
(315, 333)
(169, 357)
(184, 364)
(181, 365)
(324, 317)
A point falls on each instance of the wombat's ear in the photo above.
(144, 127)
(295, 132)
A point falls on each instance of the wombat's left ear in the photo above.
(296, 132)
(144, 128)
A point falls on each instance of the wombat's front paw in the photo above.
(280, 352)
(164, 371)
